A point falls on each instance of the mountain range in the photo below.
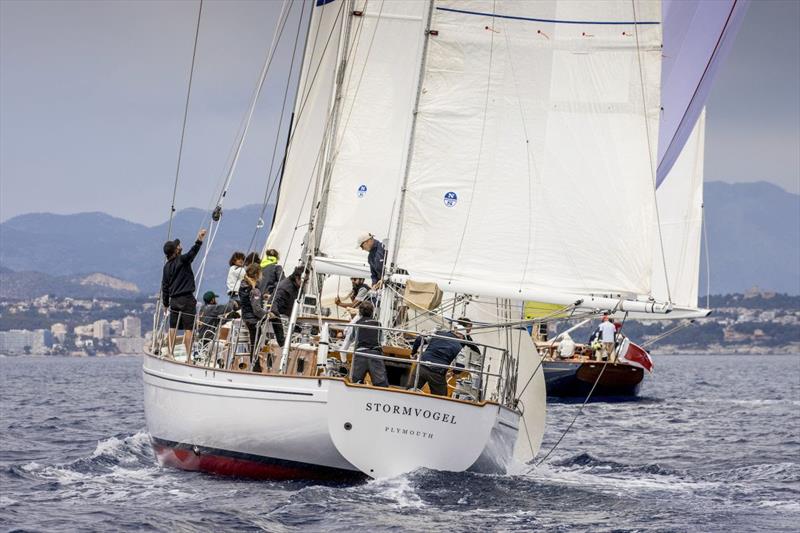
(63, 246)
(753, 233)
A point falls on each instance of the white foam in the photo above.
(619, 483)
(399, 490)
(782, 505)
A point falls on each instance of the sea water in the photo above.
(713, 444)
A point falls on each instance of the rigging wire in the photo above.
(580, 410)
(214, 227)
(682, 325)
(185, 117)
(650, 149)
(270, 182)
(708, 258)
(157, 315)
(295, 128)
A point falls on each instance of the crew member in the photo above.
(368, 341)
(271, 273)
(252, 310)
(607, 335)
(177, 291)
(566, 348)
(211, 314)
(235, 274)
(441, 350)
(357, 294)
(376, 255)
(283, 301)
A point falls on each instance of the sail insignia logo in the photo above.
(450, 199)
(362, 191)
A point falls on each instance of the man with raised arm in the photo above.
(177, 290)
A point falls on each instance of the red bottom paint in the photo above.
(220, 462)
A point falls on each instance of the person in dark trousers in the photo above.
(253, 311)
(442, 350)
(211, 314)
(355, 297)
(368, 340)
(177, 290)
(283, 301)
(271, 273)
(376, 256)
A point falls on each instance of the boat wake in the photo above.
(120, 468)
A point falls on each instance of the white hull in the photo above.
(284, 426)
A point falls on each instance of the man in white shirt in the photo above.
(607, 333)
(566, 348)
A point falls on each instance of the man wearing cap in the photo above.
(177, 290)
(211, 314)
(441, 350)
(376, 256)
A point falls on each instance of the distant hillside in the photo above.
(753, 236)
(62, 245)
(753, 229)
(24, 285)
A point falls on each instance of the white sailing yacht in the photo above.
(504, 151)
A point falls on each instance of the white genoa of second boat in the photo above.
(285, 426)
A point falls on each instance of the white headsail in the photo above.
(304, 160)
(680, 203)
(535, 146)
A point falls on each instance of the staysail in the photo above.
(680, 203)
(535, 147)
(305, 156)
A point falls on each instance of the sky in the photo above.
(92, 97)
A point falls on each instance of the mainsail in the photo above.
(533, 159)
(527, 167)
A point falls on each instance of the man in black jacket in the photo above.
(441, 350)
(177, 290)
(368, 342)
(283, 301)
(212, 314)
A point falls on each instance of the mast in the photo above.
(316, 214)
(330, 155)
(386, 310)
